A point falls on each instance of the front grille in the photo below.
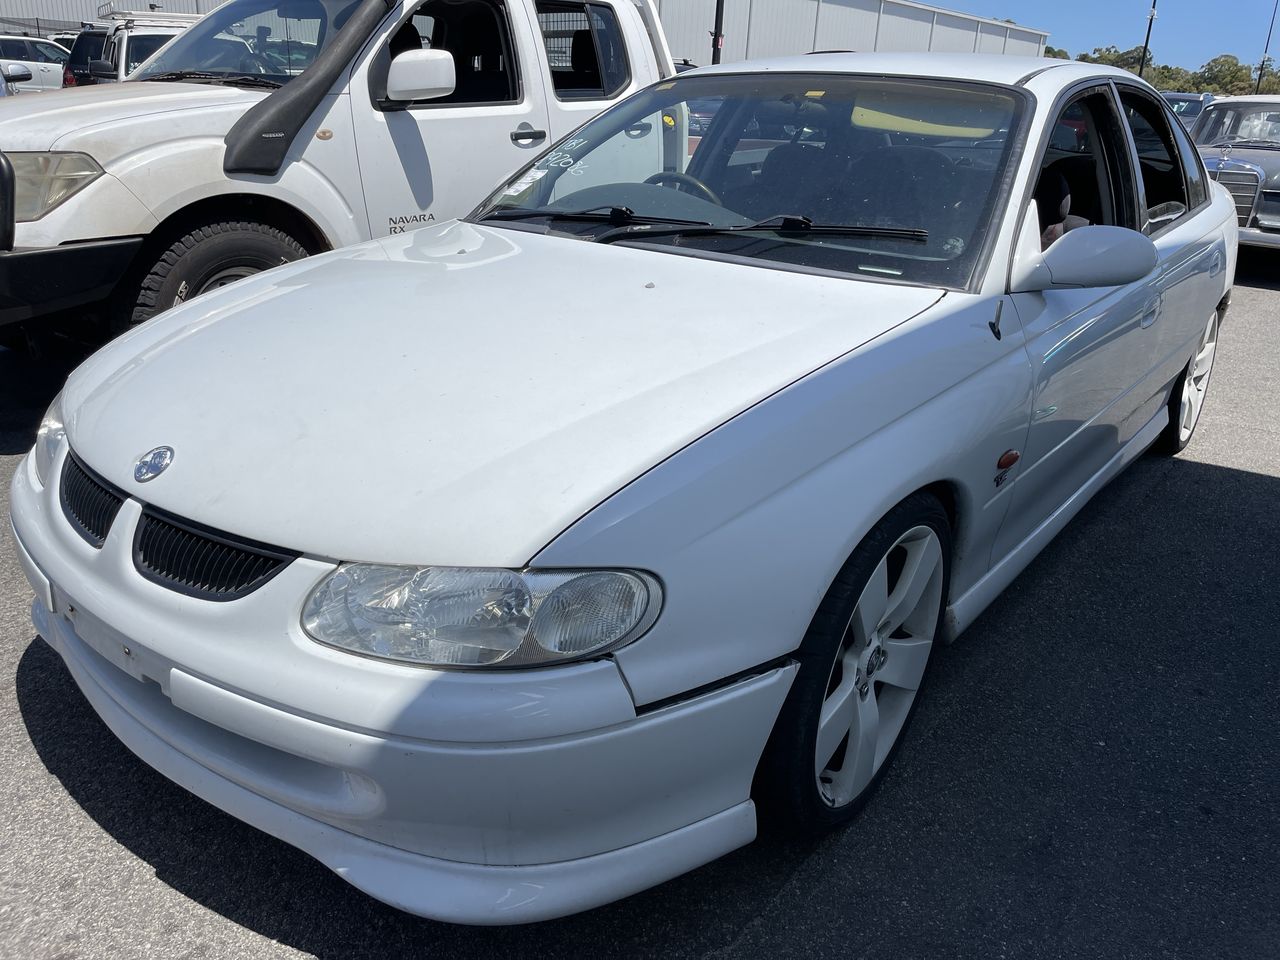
(1243, 186)
(89, 502)
(200, 562)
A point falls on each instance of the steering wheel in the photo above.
(676, 179)
(257, 63)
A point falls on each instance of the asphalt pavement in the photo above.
(1094, 770)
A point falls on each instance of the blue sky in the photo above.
(1186, 33)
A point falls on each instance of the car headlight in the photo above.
(48, 437)
(480, 617)
(44, 180)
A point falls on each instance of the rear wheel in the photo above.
(205, 259)
(862, 664)
(1186, 400)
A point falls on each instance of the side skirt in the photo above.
(966, 609)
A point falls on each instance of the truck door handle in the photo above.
(528, 136)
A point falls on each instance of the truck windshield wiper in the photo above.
(229, 79)
(787, 223)
(616, 215)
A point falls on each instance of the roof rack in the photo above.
(110, 11)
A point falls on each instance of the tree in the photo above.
(1057, 53)
(1225, 74)
(1113, 56)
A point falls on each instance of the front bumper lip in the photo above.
(35, 282)
(1255, 237)
(434, 887)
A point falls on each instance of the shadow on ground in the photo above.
(1091, 773)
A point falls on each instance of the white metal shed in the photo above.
(768, 28)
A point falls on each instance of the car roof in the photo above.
(1241, 98)
(989, 67)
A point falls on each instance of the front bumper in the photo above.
(1256, 237)
(35, 282)
(468, 797)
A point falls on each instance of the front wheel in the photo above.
(209, 257)
(862, 663)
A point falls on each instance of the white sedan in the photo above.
(520, 563)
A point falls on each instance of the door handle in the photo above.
(528, 136)
(1215, 265)
(1151, 313)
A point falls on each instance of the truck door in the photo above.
(432, 160)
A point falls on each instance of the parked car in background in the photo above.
(1187, 106)
(87, 48)
(132, 38)
(64, 39)
(44, 58)
(236, 149)
(552, 547)
(1239, 138)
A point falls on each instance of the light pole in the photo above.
(1266, 48)
(1146, 44)
(717, 35)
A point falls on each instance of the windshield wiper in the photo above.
(785, 223)
(227, 79)
(616, 215)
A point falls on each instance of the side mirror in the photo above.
(102, 70)
(16, 73)
(1092, 256)
(421, 75)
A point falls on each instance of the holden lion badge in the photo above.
(152, 463)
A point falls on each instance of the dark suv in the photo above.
(88, 47)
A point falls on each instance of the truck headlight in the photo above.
(48, 437)
(44, 180)
(480, 617)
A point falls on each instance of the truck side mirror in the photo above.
(421, 75)
(102, 70)
(16, 73)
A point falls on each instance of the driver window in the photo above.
(1162, 175)
(477, 34)
(1078, 183)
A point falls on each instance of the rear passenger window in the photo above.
(1162, 175)
(585, 50)
(14, 49)
(476, 32)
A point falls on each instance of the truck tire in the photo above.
(208, 257)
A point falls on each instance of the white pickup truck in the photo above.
(275, 129)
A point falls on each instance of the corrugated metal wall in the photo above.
(753, 28)
(767, 28)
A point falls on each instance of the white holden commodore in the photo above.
(520, 563)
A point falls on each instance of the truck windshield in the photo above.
(885, 178)
(265, 40)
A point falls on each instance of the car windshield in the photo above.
(1255, 124)
(891, 179)
(267, 41)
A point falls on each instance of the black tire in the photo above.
(201, 257)
(1171, 440)
(786, 789)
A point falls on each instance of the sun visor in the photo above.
(942, 113)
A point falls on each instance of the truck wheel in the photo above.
(209, 257)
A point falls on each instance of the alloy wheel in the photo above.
(879, 665)
(1196, 382)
